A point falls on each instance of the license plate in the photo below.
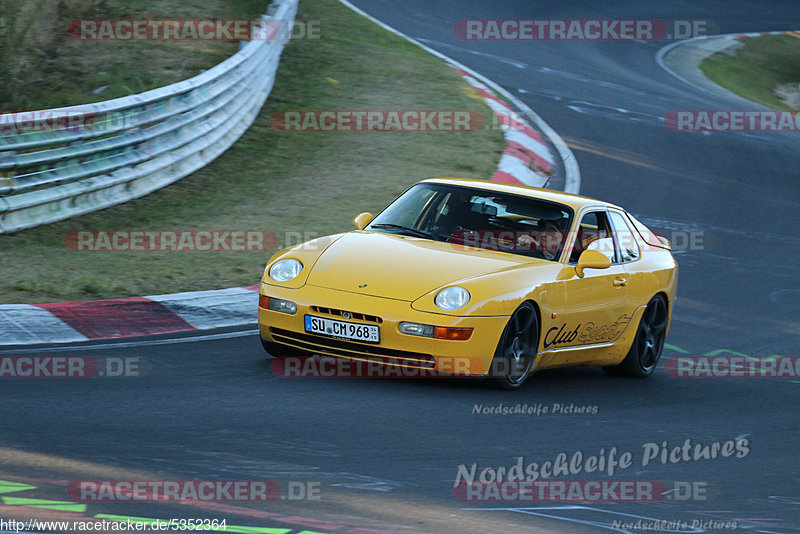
(342, 329)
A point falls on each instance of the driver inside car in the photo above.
(458, 218)
(547, 241)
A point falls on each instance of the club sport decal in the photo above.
(587, 334)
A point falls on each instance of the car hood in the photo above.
(400, 267)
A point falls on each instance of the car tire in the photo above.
(516, 350)
(645, 352)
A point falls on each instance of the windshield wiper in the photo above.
(406, 229)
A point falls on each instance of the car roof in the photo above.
(576, 202)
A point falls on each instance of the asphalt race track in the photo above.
(384, 454)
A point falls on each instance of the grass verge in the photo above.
(285, 183)
(42, 67)
(762, 65)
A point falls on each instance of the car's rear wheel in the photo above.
(516, 350)
(643, 356)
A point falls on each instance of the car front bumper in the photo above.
(470, 357)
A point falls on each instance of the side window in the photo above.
(594, 233)
(626, 239)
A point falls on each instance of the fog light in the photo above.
(414, 329)
(283, 306)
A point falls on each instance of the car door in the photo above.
(597, 307)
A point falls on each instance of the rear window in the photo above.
(648, 235)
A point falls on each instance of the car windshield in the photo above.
(478, 218)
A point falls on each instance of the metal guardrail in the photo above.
(128, 147)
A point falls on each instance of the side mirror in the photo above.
(591, 259)
(362, 219)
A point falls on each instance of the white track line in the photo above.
(571, 170)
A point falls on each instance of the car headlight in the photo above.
(452, 298)
(284, 270)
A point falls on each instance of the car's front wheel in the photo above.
(516, 350)
(642, 358)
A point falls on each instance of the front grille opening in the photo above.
(315, 344)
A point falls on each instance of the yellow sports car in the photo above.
(476, 278)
